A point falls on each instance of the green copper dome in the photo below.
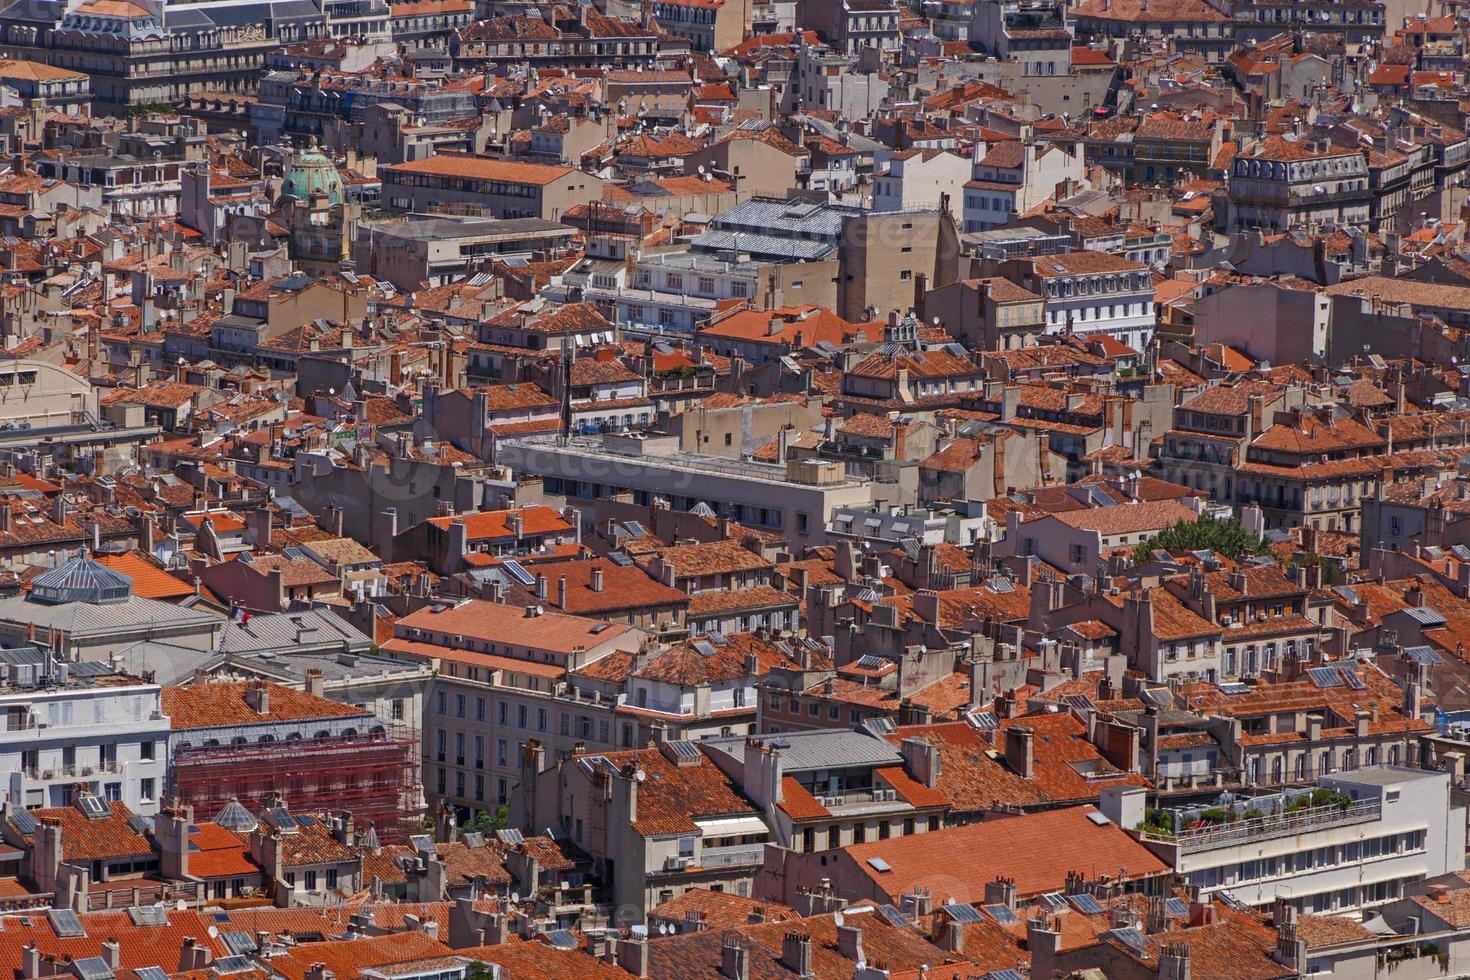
(313, 172)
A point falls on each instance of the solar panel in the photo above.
(68, 924)
(151, 973)
(893, 915)
(140, 823)
(232, 964)
(562, 939)
(1351, 678)
(92, 968)
(1003, 975)
(704, 648)
(1000, 585)
(1054, 900)
(515, 571)
(986, 721)
(871, 661)
(961, 913)
(148, 915)
(1324, 676)
(1002, 914)
(1176, 906)
(511, 836)
(717, 638)
(1234, 688)
(422, 843)
(92, 807)
(238, 943)
(1080, 702)
(1159, 697)
(306, 821)
(473, 838)
(619, 559)
(879, 865)
(1085, 904)
(1132, 938)
(1423, 655)
(683, 749)
(24, 822)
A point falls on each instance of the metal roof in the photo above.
(83, 579)
(818, 749)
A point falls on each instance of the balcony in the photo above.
(735, 856)
(1269, 827)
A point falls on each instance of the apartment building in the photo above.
(70, 725)
(797, 498)
(417, 254)
(487, 187)
(1293, 181)
(656, 822)
(1015, 176)
(921, 179)
(502, 683)
(1355, 846)
(828, 788)
(1090, 294)
(708, 25)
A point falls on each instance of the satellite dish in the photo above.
(701, 169)
(837, 919)
(214, 932)
(641, 775)
(181, 905)
(515, 898)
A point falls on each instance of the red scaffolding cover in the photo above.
(375, 775)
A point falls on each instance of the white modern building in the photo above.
(1383, 828)
(79, 724)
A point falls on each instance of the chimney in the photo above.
(258, 696)
(112, 954)
(541, 586)
(796, 954)
(734, 959)
(1174, 961)
(1001, 891)
(850, 942)
(561, 592)
(633, 956)
(1044, 943)
(316, 684)
(597, 580)
(1021, 751)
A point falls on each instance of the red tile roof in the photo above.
(1037, 851)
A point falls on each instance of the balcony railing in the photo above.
(737, 855)
(1219, 836)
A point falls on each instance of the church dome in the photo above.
(83, 579)
(313, 172)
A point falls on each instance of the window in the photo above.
(147, 749)
(479, 709)
(459, 705)
(146, 788)
(443, 703)
(311, 881)
(331, 878)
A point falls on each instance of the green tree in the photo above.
(485, 823)
(1228, 537)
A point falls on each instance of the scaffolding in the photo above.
(374, 774)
